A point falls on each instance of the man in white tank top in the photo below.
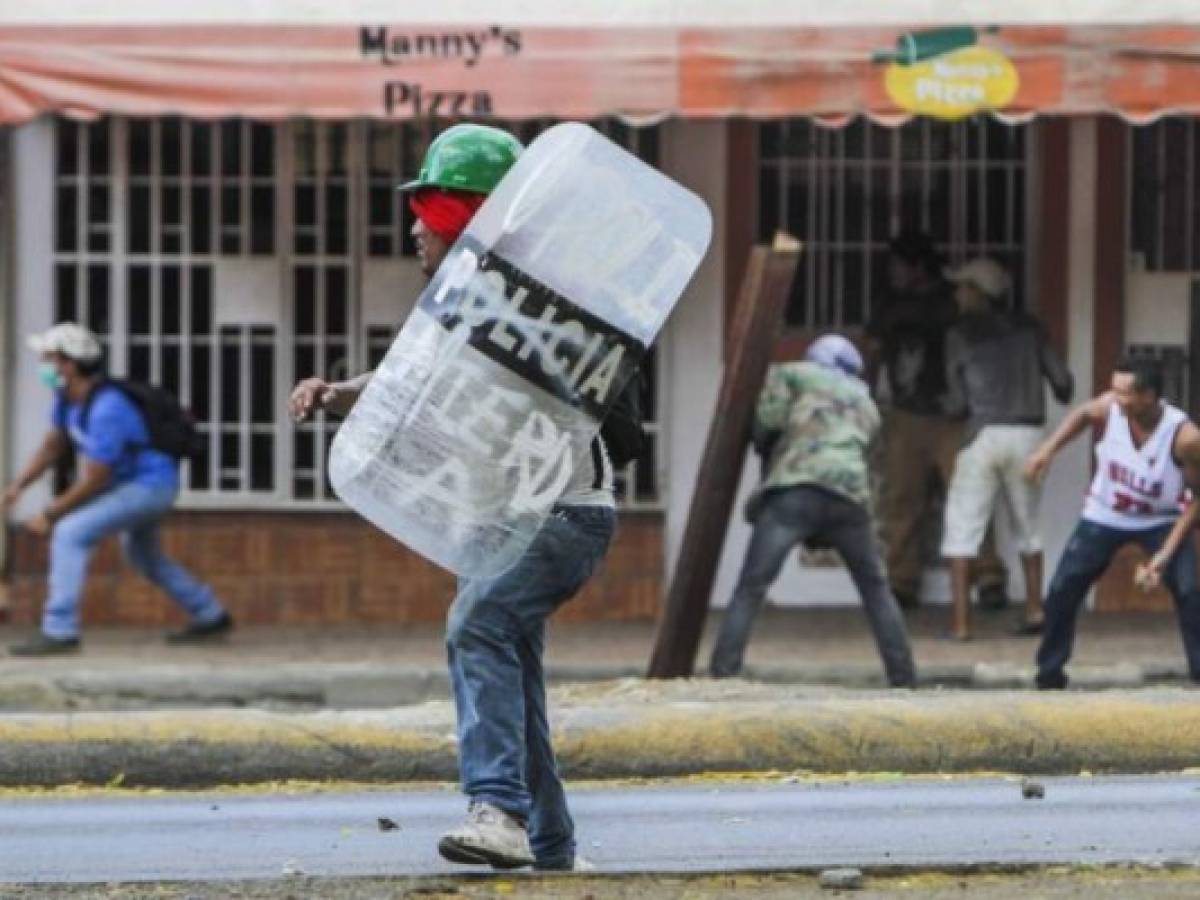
(1147, 458)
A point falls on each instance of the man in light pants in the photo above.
(995, 363)
(907, 337)
(126, 487)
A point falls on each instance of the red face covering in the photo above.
(445, 213)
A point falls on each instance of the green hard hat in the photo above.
(467, 158)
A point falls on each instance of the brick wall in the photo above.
(311, 568)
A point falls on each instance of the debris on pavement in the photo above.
(291, 869)
(841, 879)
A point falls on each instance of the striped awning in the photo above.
(644, 70)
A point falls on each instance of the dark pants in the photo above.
(1088, 554)
(787, 518)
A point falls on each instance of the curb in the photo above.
(348, 686)
(627, 729)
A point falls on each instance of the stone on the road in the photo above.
(291, 869)
(841, 879)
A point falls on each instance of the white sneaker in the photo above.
(490, 836)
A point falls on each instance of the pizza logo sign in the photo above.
(946, 74)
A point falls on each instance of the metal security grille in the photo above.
(1164, 195)
(321, 290)
(225, 260)
(393, 156)
(83, 238)
(846, 191)
(83, 225)
(199, 193)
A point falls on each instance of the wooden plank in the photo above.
(756, 325)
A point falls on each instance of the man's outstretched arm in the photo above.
(1090, 415)
(1187, 454)
(338, 397)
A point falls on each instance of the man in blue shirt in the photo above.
(125, 486)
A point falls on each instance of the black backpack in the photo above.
(171, 428)
(621, 429)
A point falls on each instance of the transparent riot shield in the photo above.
(484, 410)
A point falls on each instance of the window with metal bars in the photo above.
(83, 225)
(152, 213)
(846, 191)
(1164, 195)
(199, 193)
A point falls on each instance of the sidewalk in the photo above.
(380, 667)
(372, 705)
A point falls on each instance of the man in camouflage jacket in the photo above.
(820, 420)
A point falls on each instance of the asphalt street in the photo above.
(676, 827)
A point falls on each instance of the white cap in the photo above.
(986, 274)
(835, 352)
(71, 340)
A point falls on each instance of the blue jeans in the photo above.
(495, 635)
(1088, 553)
(135, 511)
